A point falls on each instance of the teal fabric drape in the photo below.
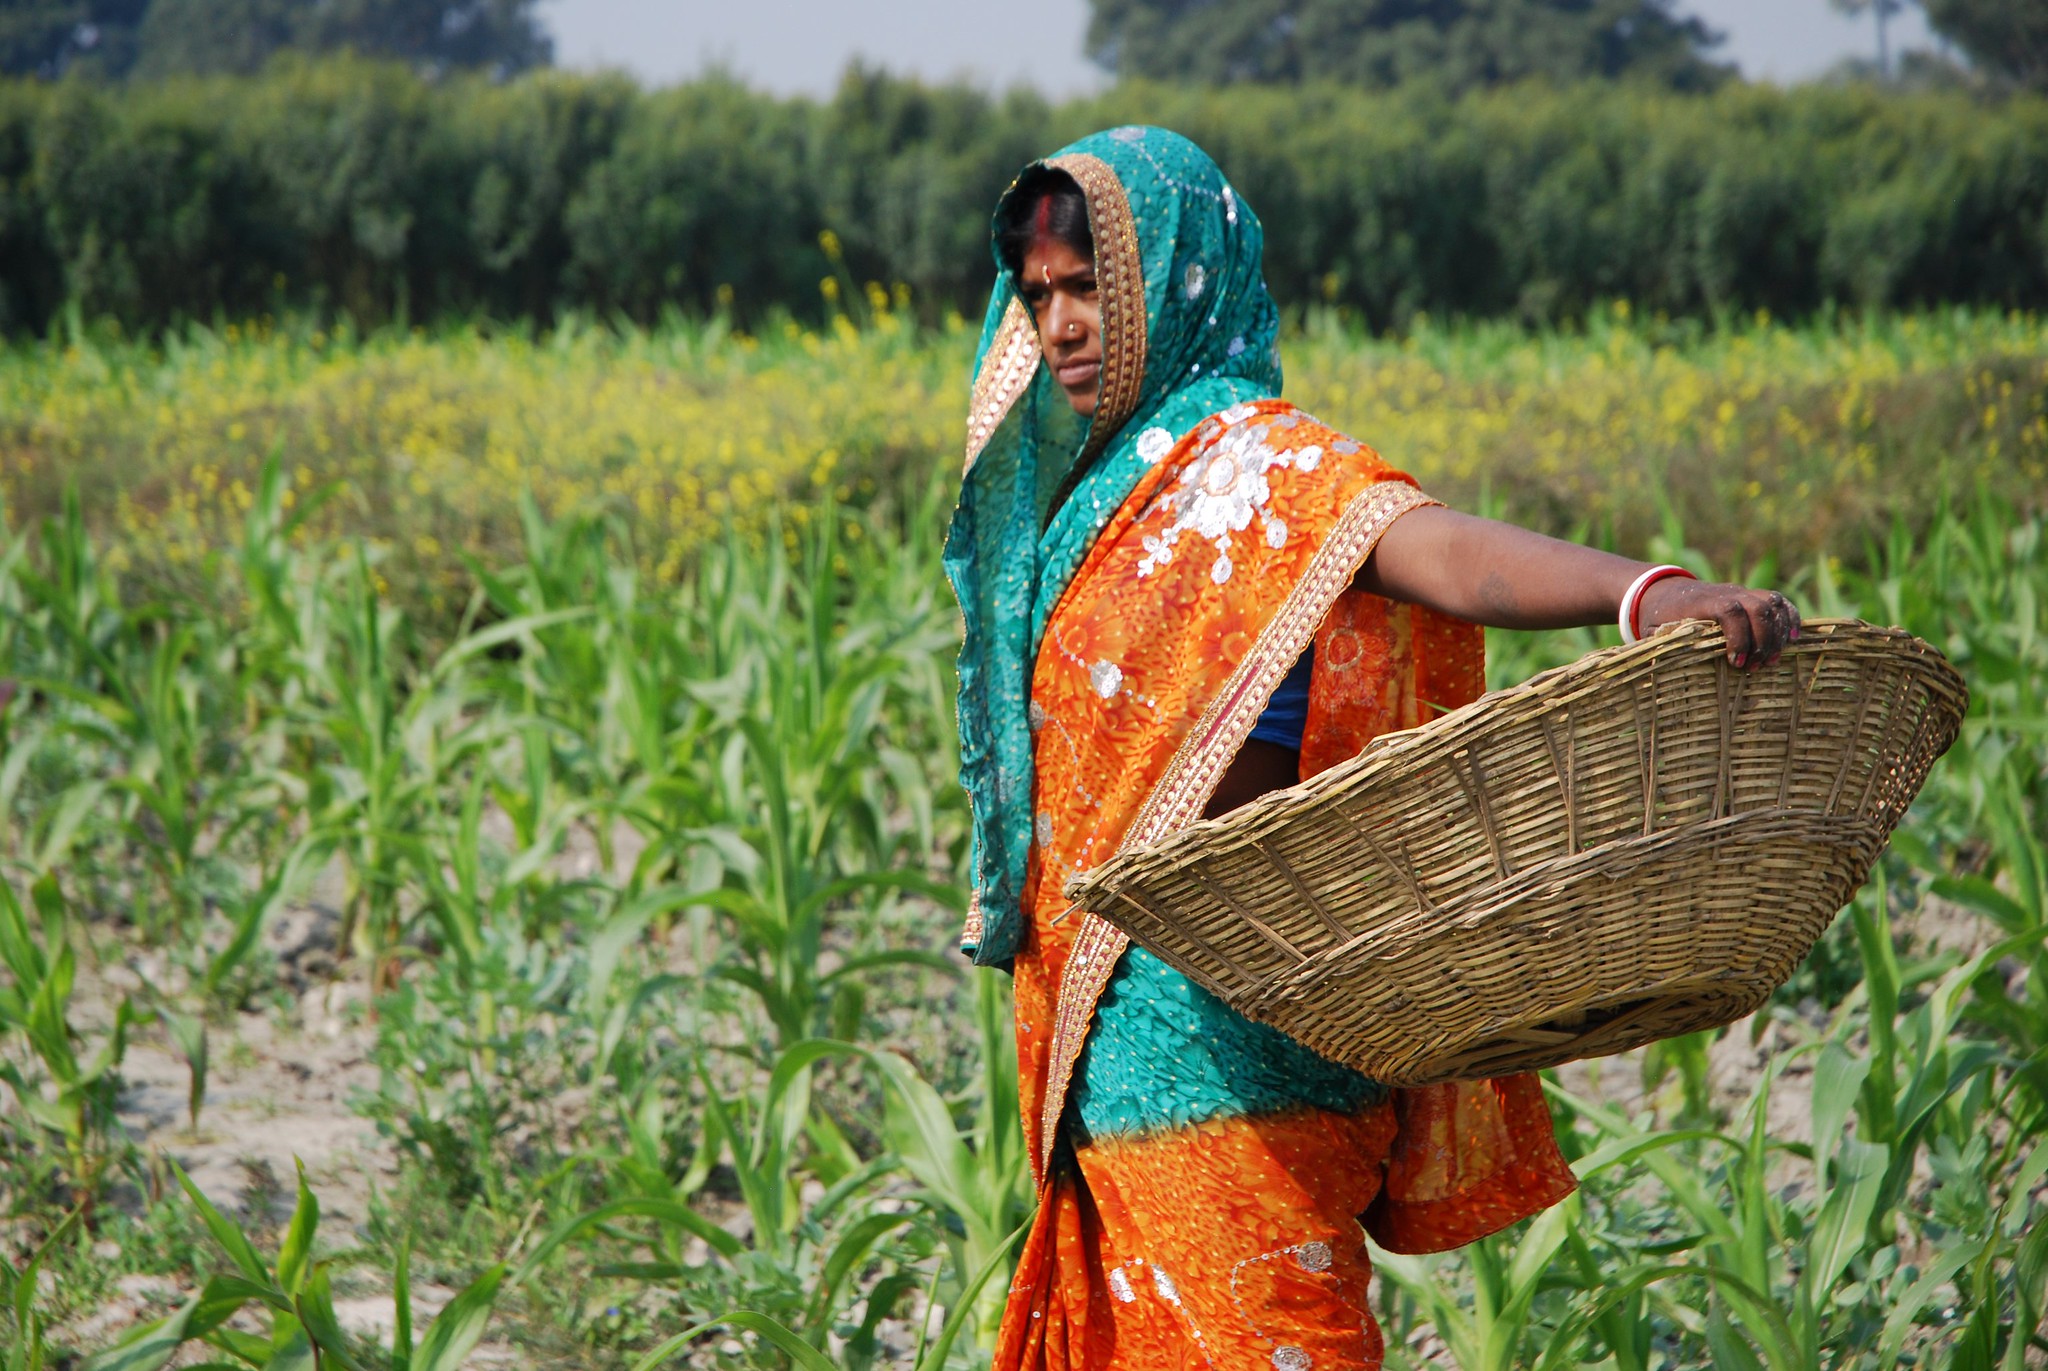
(1210, 341)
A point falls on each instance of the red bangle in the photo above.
(1632, 602)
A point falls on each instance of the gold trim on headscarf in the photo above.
(1006, 372)
(1120, 285)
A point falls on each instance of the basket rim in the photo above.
(1689, 641)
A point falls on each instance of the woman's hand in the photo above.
(1758, 622)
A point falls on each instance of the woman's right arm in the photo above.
(1488, 572)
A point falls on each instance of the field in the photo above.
(513, 776)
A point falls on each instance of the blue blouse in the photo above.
(1287, 712)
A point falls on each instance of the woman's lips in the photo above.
(1076, 373)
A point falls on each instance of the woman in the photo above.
(1180, 592)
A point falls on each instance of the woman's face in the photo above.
(1058, 284)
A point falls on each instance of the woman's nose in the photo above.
(1060, 316)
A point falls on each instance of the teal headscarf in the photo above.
(1188, 329)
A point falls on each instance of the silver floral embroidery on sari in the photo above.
(1222, 491)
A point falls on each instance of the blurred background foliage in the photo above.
(1769, 438)
(110, 39)
(347, 186)
(1459, 43)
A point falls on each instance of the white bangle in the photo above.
(1631, 601)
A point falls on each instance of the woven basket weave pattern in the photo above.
(1641, 844)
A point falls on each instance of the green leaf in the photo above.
(401, 1306)
(663, 1351)
(1539, 1243)
(621, 930)
(22, 1285)
(1837, 1079)
(641, 1271)
(225, 1232)
(934, 1358)
(247, 1347)
(1763, 1316)
(711, 1141)
(922, 1132)
(225, 1296)
(316, 1314)
(1845, 1214)
(806, 1357)
(18, 948)
(61, 829)
(761, 1192)
(148, 1347)
(458, 1328)
(1729, 1351)
(665, 1211)
(846, 1256)
(1614, 1289)
(1975, 892)
(188, 1032)
(484, 640)
(296, 1252)
(294, 1351)
(281, 885)
(909, 956)
(1906, 1308)
(49, 902)
(49, 1032)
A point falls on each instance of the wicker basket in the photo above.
(1642, 844)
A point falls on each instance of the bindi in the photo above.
(1041, 232)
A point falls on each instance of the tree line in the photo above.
(1464, 44)
(1457, 44)
(114, 39)
(362, 188)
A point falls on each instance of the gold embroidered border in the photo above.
(1011, 362)
(972, 927)
(1198, 764)
(1120, 284)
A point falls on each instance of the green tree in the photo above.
(184, 36)
(50, 37)
(1459, 43)
(1881, 11)
(191, 36)
(2007, 37)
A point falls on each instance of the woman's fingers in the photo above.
(1758, 623)
(1742, 621)
(1784, 624)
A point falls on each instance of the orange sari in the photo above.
(1237, 1242)
(1132, 598)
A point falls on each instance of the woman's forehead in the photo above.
(1058, 256)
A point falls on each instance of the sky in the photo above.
(802, 46)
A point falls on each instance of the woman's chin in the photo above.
(1083, 400)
